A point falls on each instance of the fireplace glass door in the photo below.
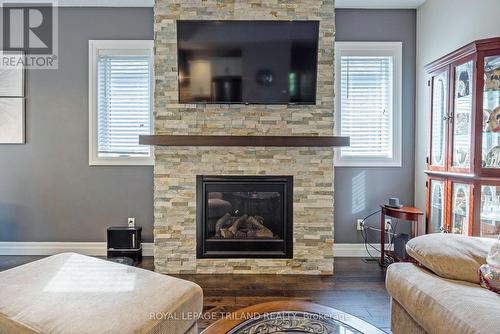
(244, 216)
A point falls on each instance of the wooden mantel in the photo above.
(274, 141)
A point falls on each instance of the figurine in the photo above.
(486, 117)
(493, 123)
(492, 159)
(463, 84)
(492, 79)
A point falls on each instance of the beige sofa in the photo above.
(71, 293)
(444, 296)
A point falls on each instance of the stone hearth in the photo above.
(176, 168)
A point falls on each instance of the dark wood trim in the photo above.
(478, 125)
(475, 229)
(469, 49)
(403, 213)
(461, 176)
(236, 318)
(276, 141)
(448, 203)
(472, 207)
(450, 58)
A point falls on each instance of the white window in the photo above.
(368, 103)
(120, 101)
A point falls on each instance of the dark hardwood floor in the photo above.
(357, 287)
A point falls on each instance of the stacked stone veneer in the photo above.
(176, 167)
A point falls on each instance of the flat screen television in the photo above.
(252, 62)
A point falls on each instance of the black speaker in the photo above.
(400, 242)
(125, 242)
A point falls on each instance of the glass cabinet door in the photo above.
(491, 114)
(462, 112)
(460, 208)
(436, 212)
(490, 211)
(439, 114)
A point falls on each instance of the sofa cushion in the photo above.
(451, 256)
(442, 305)
(71, 293)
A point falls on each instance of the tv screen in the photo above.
(264, 62)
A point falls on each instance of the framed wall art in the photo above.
(12, 103)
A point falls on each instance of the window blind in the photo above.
(124, 104)
(366, 105)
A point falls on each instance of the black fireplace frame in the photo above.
(281, 248)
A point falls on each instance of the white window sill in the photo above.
(122, 162)
(368, 164)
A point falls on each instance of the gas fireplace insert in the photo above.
(244, 216)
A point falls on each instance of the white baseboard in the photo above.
(51, 248)
(99, 248)
(356, 250)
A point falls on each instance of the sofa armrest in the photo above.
(441, 305)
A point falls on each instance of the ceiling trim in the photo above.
(361, 4)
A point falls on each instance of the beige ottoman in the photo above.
(71, 293)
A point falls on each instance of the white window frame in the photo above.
(393, 49)
(94, 47)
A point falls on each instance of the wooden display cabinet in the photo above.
(463, 164)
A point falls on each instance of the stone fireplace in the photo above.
(181, 243)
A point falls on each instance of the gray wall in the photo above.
(48, 192)
(359, 191)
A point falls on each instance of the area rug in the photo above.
(297, 317)
(292, 322)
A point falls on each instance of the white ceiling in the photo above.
(373, 4)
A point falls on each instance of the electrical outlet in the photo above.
(131, 222)
(360, 224)
(388, 225)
